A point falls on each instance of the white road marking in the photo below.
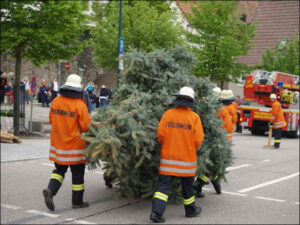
(234, 193)
(100, 172)
(266, 160)
(207, 189)
(48, 164)
(82, 222)
(42, 213)
(237, 167)
(78, 221)
(268, 183)
(297, 203)
(10, 206)
(270, 199)
(226, 192)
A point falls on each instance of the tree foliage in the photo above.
(284, 58)
(221, 37)
(126, 139)
(145, 25)
(41, 31)
(46, 30)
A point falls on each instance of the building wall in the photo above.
(50, 70)
(109, 79)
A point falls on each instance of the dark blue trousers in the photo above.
(163, 189)
(57, 178)
(277, 136)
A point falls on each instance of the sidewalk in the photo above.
(39, 113)
(33, 148)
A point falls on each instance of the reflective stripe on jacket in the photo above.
(69, 117)
(227, 122)
(277, 115)
(181, 133)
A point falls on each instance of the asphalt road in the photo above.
(262, 188)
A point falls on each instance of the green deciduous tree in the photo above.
(41, 31)
(145, 25)
(284, 58)
(221, 37)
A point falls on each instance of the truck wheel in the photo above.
(257, 132)
(295, 134)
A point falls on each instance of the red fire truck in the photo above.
(257, 88)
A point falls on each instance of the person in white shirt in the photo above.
(27, 87)
(54, 88)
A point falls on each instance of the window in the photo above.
(243, 18)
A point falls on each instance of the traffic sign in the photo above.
(67, 65)
(121, 53)
(121, 47)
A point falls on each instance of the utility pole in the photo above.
(16, 120)
(120, 34)
(59, 73)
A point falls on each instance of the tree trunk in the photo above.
(17, 90)
(222, 85)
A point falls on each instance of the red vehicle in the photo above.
(257, 88)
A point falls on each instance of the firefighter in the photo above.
(231, 107)
(69, 117)
(181, 134)
(223, 113)
(277, 121)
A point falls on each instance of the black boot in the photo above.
(195, 213)
(199, 194)
(198, 187)
(198, 191)
(217, 187)
(108, 181)
(156, 218)
(83, 205)
(49, 199)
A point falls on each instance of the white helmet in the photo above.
(230, 93)
(216, 91)
(186, 92)
(225, 95)
(273, 96)
(73, 80)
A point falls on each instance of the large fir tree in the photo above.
(126, 137)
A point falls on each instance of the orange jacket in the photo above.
(277, 115)
(235, 105)
(181, 133)
(69, 117)
(227, 122)
(233, 114)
